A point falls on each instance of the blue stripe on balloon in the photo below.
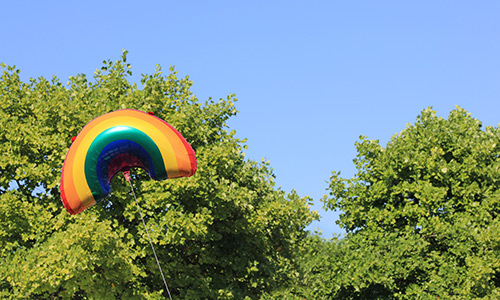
(116, 148)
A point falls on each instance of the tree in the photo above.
(225, 233)
(318, 263)
(421, 214)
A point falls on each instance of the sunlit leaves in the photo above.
(224, 233)
(421, 213)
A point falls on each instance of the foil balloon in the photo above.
(116, 142)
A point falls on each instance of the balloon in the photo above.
(116, 142)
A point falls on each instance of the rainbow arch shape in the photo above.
(119, 141)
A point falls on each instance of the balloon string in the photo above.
(127, 177)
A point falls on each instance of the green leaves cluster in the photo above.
(225, 233)
(433, 169)
(421, 217)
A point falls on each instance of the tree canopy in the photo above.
(225, 233)
(421, 215)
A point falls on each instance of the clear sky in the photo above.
(310, 76)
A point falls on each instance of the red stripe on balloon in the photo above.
(63, 193)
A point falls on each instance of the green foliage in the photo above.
(421, 214)
(224, 233)
(315, 274)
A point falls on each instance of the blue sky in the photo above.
(311, 77)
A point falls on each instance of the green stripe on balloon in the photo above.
(113, 134)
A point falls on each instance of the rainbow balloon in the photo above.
(116, 142)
